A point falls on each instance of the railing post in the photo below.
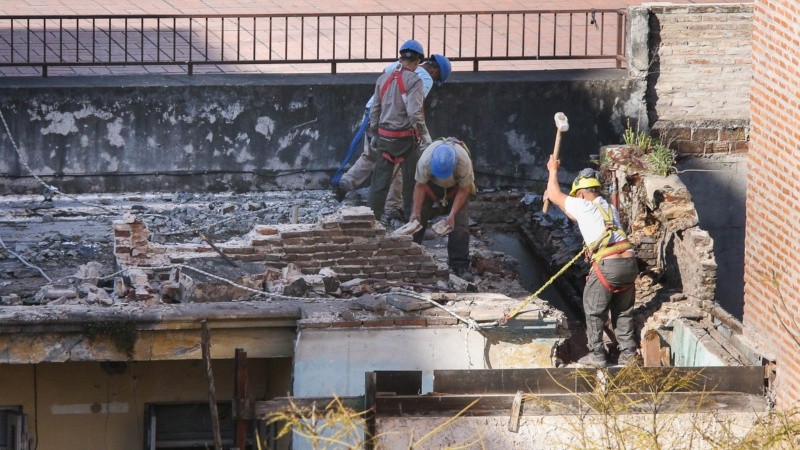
(44, 71)
(620, 34)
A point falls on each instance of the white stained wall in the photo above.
(332, 361)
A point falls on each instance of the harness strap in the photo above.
(603, 247)
(602, 279)
(396, 161)
(396, 75)
(396, 134)
(613, 249)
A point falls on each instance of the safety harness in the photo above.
(602, 248)
(394, 134)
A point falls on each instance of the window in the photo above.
(186, 426)
(12, 428)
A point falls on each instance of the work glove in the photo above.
(373, 143)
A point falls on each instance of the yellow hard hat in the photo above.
(588, 178)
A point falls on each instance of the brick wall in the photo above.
(351, 243)
(772, 240)
(699, 76)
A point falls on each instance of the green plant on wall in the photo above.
(122, 334)
(658, 158)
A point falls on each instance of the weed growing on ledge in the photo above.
(659, 159)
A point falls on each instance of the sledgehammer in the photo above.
(561, 127)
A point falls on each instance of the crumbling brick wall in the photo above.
(351, 243)
(699, 76)
(772, 240)
(662, 220)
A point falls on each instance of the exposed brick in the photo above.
(346, 323)
(440, 321)
(299, 249)
(689, 146)
(410, 321)
(121, 233)
(298, 241)
(266, 231)
(347, 226)
(371, 246)
(377, 322)
(288, 234)
(263, 242)
(332, 247)
(312, 324)
(238, 250)
(371, 233)
(122, 250)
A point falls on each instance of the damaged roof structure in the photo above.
(182, 320)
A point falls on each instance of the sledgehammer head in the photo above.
(561, 122)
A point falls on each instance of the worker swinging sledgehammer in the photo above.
(610, 284)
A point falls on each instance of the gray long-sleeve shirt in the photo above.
(392, 112)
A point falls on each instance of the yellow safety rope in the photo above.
(516, 311)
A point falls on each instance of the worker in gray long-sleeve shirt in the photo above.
(397, 124)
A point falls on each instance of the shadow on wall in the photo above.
(718, 186)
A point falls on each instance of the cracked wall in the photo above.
(268, 132)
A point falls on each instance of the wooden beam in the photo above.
(370, 389)
(240, 392)
(745, 379)
(262, 409)
(205, 342)
(651, 349)
(516, 410)
(555, 404)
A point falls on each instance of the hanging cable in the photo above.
(41, 181)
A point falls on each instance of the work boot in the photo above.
(629, 358)
(395, 214)
(339, 191)
(594, 359)
(463, 273)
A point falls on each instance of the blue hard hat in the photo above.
(443, 161)
(444, 68)
(412, 49)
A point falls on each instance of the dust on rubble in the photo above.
(73, 244)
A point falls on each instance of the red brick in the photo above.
(410, 321)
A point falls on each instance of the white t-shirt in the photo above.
(590, 220)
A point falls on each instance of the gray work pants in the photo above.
(363, 168)
(405, 147)
(597, 301)
(458, 239)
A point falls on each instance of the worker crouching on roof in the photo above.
(444, 178)
(397, 125)
(610, 285)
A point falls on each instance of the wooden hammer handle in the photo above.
(555, 155)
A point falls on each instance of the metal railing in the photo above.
(331, 39)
